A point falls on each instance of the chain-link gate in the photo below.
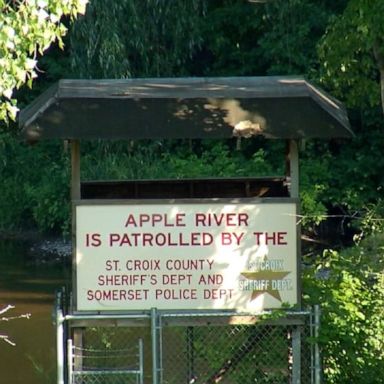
(106, 357)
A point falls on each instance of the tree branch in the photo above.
(6, 318)
(6, 339)
(6, 309)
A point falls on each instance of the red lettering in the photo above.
(92, 240)
(176, 294)
(243, 219)
(217, 293)
(112, 265)
(231, 219)
(281, 238)
(144, 218)
(226, 238)
(130, 221)
(273, 238)
(155, 219)
(147, 239)
(176, 279)
(180, 219)
(117, 294)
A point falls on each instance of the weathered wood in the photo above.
(294, 169)
(75, 195)
(190, 188)
(197, 321)
(85, 323)
(276, 107)
(75, 171)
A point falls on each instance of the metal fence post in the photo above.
(70, 360)
(190, 354)
(59, 340)
(141, 361)
(317, 314)
(296, 355)
(155, 351)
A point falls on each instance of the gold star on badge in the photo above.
(265, 278)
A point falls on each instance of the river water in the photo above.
(28, 284)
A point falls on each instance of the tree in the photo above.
(136, 38)
(27, 29)
(352, 52)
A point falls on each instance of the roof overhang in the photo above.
(273, 107)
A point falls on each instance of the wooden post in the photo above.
(75, 175)
(292, 174)
(75, 196)
(292, 168)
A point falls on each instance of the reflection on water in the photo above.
(29, 286)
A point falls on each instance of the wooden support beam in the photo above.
(292, 168)
(75, 195)
(75, 174)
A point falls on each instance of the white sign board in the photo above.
(186, 256)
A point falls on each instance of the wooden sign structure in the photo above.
(210, 245)
(273, 107)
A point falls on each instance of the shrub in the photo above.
(350, 287)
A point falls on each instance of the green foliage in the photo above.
(245, 38)
(315, 179)
(352, 53)
(372, 219)
(218, 160)
(292, 30)
(49, 199)
(231, 30)
(173, 159)
(136, 38)
(27, 29)
(35, 185)
(352, 322)
(13, 203)
(344, 175)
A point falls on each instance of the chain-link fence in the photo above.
(194, 350)
(235, 354)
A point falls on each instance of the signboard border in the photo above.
(167, 201)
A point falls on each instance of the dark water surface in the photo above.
(30, 285)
